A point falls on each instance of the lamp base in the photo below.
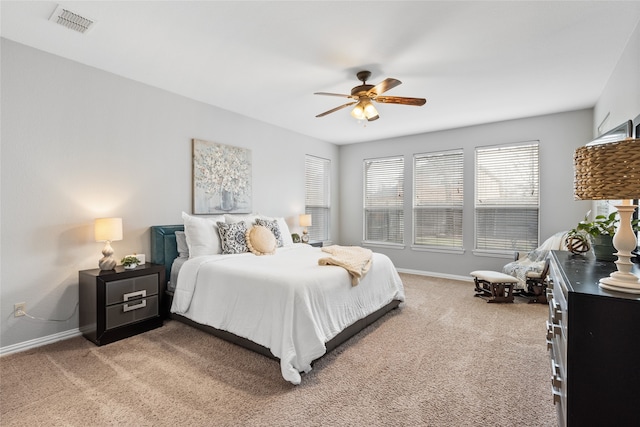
(629, 285)
(623, 280)
(107, 262)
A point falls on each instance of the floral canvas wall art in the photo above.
(221, 178)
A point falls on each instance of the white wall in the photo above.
(620, 98)
(79, 143)
(559, 136)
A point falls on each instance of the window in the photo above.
(317, 173)
(438, 199)
(507, 197)
(384, 200)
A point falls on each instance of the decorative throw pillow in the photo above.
(181, 242)
(273, 226)
(202, 234)
(260, 240)
(233, 237)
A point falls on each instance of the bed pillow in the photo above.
(273, 226)
(181, 241)
(284, 230)
(202, 234)
(233, 237)
(250, 219)
(287, 240)
(261, 241)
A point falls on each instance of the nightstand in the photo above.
(315, 243)
(119, 303)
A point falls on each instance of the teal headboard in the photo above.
(164, 248)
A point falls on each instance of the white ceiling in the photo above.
(475, 61)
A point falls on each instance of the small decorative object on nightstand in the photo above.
(130, 262)
(119, 303)
(305, 221)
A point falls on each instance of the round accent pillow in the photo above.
(261, 240)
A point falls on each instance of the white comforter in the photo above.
(285, 302)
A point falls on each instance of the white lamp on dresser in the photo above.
(611, 171)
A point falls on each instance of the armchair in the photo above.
(532, 269)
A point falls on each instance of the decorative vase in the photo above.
(227, 202)
(130, 266)
(603, 248)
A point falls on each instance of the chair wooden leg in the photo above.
(493, 292)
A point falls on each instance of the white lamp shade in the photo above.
(108, 229)
(305, 220)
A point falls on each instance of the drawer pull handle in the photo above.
(131, 295)
(553, 329)
(556, 379)
(127, 307)
(557, 312)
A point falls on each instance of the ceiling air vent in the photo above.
(71, 20)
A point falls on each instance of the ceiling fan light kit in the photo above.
(365, 110)
(364, 94)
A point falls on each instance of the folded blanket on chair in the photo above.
(354, 259)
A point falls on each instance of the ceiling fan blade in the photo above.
(333, 110)
(384, 86)
(333, 94)
(400, 100)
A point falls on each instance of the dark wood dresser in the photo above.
(594, 340)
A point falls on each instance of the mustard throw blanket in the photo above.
(354, 259)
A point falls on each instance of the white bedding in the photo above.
(285, 302)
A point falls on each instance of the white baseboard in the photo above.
(38, 342)
(433, 274)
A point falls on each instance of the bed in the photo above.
(284, 306)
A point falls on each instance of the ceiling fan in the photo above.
(364, 94)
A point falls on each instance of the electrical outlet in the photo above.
(19, 309)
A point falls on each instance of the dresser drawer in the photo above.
(131, 311)
(121, 290)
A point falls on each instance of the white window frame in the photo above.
(507, 198)
(383, 201)
(438, 201)
(317, 173)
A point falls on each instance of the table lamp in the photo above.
(305, 221)
(611, 171)
(108, 230)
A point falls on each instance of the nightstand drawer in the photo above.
(131, 311)
(119, 290)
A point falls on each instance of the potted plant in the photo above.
(130, 262)
(600, 232)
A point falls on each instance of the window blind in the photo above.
(507, 198)
(317, 196)
(438, 199)
(384, 200)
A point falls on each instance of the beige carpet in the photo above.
(444, 358)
